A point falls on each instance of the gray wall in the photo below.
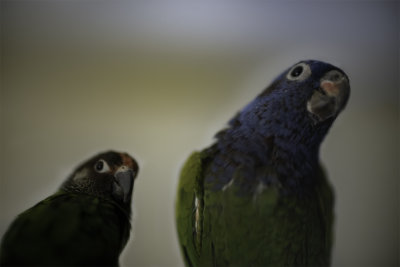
(159, 79)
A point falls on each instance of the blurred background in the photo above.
(157, 79)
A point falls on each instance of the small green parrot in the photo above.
(86, 222)
(258, 196)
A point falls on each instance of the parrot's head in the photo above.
(302, 102)
(108, 175)
(319, 88)
(328, 88)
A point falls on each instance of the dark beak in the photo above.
(123, 184)
(331, 97)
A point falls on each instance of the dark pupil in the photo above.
(297, 71)
(99, 165)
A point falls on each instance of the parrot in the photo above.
(85, 222)
(258, 195)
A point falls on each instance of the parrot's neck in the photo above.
(272, 146)
(274, 131)
(287, 145)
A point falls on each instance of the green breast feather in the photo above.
(67, 228)
(224, 228)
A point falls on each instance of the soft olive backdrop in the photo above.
(158, 78)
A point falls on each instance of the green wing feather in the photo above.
(190, 194)
(67, 229)
(220, 228)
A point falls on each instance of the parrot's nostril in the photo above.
(334, 76)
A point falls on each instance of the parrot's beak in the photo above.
(331, 96)
(123, 183)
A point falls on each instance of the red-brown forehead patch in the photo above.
(128, 161)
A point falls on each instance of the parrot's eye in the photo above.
(299, 72)
(296, 71)
(101, 166)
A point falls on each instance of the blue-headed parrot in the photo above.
(258, 196)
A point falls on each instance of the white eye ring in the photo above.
(299, 72)
(101, 166)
